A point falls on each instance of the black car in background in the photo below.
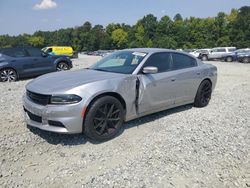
(16, 63)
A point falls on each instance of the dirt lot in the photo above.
(183, 147)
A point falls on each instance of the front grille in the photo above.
(33, 117)
(38, 98)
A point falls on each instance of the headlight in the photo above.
(65, 99)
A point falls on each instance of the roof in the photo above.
(154, 50)
(149, 50)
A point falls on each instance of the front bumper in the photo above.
(68, 117)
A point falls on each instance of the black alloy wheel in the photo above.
(203, 95)
(104, 119)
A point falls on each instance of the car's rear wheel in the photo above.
(104, 119)
(8, 75)
(204, 58)
(245, 60)
(229, 59)
(62, 66)
(203, 94)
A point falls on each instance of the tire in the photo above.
(62, 66)
(104, 119)
(8, 75)
(245, 60)
(229, 59)
(203, 94)
(204, 58)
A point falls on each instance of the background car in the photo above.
(196, 53)
(59, 50)
(120, 87)
(244, 57)
(216, 53)
(16, 63)
(233, 56)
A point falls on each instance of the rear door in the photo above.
(156, 90)
(217, 53)
(187, 77)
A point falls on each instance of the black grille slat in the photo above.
(38, 98)
(56, 123)
(33, 117)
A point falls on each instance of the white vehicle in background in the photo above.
(217, 53)
(197, 52)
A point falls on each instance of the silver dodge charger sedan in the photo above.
(120, 87)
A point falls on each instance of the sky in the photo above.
(28, 16)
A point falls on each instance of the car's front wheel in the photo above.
(245, 60)
(203, 94)
(62, 66)
(104, 119)
(8, 75)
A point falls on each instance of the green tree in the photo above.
(120, 38)
(36, 41)
(241, 28)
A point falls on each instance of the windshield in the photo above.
(120, 62)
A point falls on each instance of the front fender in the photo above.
(124, 86)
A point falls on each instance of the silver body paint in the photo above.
(156, 92)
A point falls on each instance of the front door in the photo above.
(41, 64)
(156, 90)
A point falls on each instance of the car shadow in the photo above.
(152, 117)
(79, 139)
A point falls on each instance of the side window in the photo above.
(231, 49)
(221, 50)
(48, 50)
(34, 52)
(160, 60)
(15, 53)
(181, 61)
(20, 53)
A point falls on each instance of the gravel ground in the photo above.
(182, 147)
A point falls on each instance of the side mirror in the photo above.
(150, 70)
(44, 54)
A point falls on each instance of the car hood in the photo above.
(66, 80)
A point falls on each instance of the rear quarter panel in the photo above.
(208, 71)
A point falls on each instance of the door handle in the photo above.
(198, 73)
(173, 79)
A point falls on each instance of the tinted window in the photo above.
(221, 50)
(231, 49)
(34, 52)
(160, 60)
(181, 61)
(15, 52)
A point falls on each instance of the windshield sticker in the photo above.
(139, 54)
